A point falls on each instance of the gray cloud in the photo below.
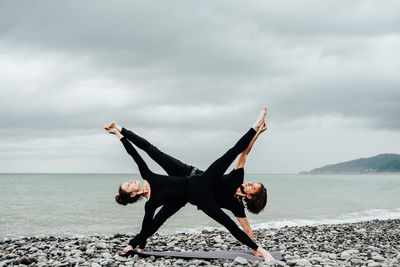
(193, 66)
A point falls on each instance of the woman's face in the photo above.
(250, 188)
(132, 186)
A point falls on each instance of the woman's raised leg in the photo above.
(218, 167)
(171, 165)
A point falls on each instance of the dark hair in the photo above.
(125, 198)
(258, 200)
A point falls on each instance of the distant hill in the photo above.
(378, 164)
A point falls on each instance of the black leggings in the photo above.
(171, 165)
(201, 187)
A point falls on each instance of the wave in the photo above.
(354, 217)
(361, 216)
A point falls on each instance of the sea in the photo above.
(83, 204)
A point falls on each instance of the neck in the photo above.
(146, 186)
(238, 192)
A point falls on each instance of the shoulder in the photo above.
(238, 209)
(150, 205)
(239, 171)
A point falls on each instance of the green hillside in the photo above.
(383, 163)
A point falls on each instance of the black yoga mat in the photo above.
(218, 254)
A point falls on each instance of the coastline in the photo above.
(367, 243)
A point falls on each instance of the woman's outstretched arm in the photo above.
(221, 217)
(241, 160)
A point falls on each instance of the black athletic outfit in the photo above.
(225, 187)
(197, 189)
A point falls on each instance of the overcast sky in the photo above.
(192, 76)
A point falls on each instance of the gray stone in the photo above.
(33, 250)
(119, 258)
(10, 256)
(240, 260)
(27, 260)
(106, 255)
(280, 263)
(303, 262)
(179, 262)
(218, 239)
(378, 258)
(78, 254)
(101, 245)
(345, 255)
(353, 251)
(171, 244)
(89, 251)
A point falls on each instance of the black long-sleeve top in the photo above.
(197, 189)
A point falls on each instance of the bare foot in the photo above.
(260, 120)
(109, 126)
(113, 125)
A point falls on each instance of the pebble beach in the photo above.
(370, 243)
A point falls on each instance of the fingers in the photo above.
(128, 248)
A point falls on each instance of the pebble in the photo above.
(378, 258)
(101, 245)
(240, 260)
(322, 245)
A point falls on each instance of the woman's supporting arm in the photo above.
(147, 219)
(218, 215)
(162, 215)
(247, 229)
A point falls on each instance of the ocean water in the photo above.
(83, 204)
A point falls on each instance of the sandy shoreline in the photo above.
(370, 243)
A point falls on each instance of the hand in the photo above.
(262, 128)
(256, 253)
(140, 250)
(128, 248)
(112, 131)
(265, 254)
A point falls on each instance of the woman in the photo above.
(195, 189)
(230, 190)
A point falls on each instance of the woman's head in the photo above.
(129, 192)
(256, 199)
